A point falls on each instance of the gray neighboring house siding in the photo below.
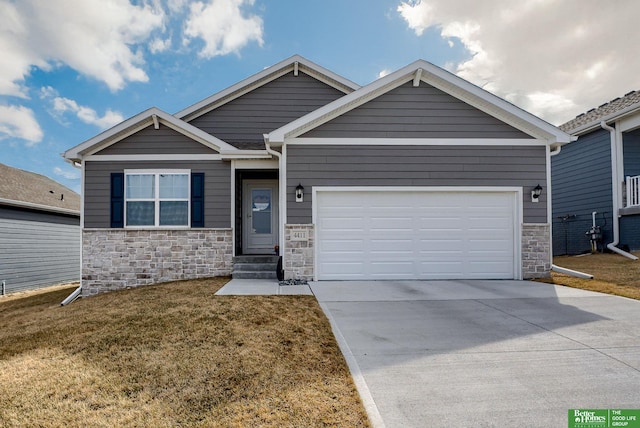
(414, 166)
(581, 177)
(243, 121)
(630, 224)
(38, 248)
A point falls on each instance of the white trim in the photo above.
(419, 141)
(628, 123)
(439, 78)
(156, 198)
(518, 210)
(156, 124)
(549, 191)
(138, 122)
(255, 163)
(246, 154)
(416, 79)
(233, 207)
(82, 192)
(167, 157)
(283, 199)
(39, 207)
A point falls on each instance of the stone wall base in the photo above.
(298, 251)
(536, 251)
(114, 259)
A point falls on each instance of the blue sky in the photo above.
(65, 77)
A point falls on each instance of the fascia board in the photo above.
(263, 77)
(138, 122)
(39, 207)
(440, 79)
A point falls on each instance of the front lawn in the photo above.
(613, 273)
(172, 355)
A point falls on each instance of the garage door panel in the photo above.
(416, 235)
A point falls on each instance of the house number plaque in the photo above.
(300, 235)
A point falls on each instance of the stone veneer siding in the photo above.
(113, 259)
(298, 254)
(536, 251)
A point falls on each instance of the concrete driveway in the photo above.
(484, 353)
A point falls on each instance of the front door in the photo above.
(260, 216)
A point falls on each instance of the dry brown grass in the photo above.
(613, 274)
(172, 355)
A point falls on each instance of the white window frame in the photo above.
(156, 199)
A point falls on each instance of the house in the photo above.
(596, 180)
(39, 231)
(418, 175)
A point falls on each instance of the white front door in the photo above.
(260, 216)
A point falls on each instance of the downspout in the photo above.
(78, 291)
(616, 194)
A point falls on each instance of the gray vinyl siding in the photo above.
(217, 187)
(581, 182)
(630, 224)
(156, 141)
(415, 112)
(631, 150)
(243, 121)
(38, 249)
(415, 166)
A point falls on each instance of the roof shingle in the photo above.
(24, 186)
(606, 110)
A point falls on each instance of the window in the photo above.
(157, 198)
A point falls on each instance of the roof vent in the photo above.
(629, 93)
(589, 111)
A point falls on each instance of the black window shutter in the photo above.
(117, 199)
(197, 199)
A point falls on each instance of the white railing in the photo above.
(633, 191)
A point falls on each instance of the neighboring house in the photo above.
(39, 231)
(418, 175)
(599, 173)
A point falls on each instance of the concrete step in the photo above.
(255, 275)
(255, 267)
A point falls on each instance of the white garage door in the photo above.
(416, 235)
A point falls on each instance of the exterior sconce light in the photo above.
(299, 193)
(535, 193)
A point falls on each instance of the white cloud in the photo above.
(383, 73)
(88, 115)
(159, 45)
(222, 27)
(69, 174)
(19, 122)
(94, 37)
(553, 58)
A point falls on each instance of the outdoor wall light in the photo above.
(299, 193)
(535, 193)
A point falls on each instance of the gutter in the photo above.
(616, 194)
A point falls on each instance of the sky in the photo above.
(70, 69)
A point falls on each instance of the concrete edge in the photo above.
(361, 385)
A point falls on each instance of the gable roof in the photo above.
(439, 78)
(140, 121)
(296, 63)
(612, 110)
(30, 190)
